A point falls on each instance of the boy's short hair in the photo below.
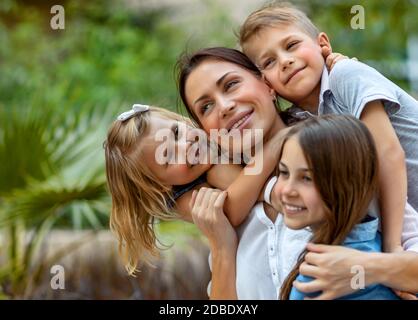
(274, 14)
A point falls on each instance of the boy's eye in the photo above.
(291, 44)
(268, 63)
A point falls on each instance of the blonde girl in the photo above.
(144, 189)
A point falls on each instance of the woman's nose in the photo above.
(227, 106)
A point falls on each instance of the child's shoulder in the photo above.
(348, 68)
(353, 74)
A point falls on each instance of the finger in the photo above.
(212, 200)
(220, 200)
(312, 258)
(308, 287)
(200, 196)
(309, 270)
(326, 51)
(329, 59)
(318, 248)
(206, 198)
(193, 199)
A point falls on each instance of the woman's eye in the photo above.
(230, 84)
(205, 107)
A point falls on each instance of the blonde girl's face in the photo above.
(302, 205)
(173, 151)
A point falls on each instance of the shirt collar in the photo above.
(300, 114)
(365, 231)
(324, 88)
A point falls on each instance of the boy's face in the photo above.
(291, 61)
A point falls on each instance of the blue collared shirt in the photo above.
(364, 237)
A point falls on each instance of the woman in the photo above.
(222, 89)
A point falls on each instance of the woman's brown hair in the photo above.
(341, 153)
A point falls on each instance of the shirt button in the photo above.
(271, 228)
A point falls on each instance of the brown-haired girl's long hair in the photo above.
(138, 197)
(342, 155)
(188, 62)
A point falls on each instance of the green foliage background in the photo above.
(60, 90)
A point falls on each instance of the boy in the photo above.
(286, 46)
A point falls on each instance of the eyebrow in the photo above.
(218, 82)
(300, 169)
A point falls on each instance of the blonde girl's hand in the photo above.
(331, 58)
(208, 215)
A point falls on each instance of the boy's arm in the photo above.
(392, 173)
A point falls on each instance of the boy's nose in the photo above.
(287, 62)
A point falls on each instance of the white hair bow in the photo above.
(136, 108)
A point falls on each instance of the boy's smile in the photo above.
(291, 62)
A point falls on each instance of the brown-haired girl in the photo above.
(327, 179)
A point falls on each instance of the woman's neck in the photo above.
(277, 126)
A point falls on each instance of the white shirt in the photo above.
(268, 251)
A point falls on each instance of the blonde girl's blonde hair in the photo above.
(138, 197)
(276, 14)
(341, 153)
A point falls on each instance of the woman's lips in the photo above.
(241, 123)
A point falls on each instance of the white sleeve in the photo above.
(410, 229)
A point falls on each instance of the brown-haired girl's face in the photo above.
(171, 150)
(302, 205)
(224, 95)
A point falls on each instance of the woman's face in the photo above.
(224, 95)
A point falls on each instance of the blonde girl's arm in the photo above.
(392, 173)
(245, 190)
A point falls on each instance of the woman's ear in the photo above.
(324, 42)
